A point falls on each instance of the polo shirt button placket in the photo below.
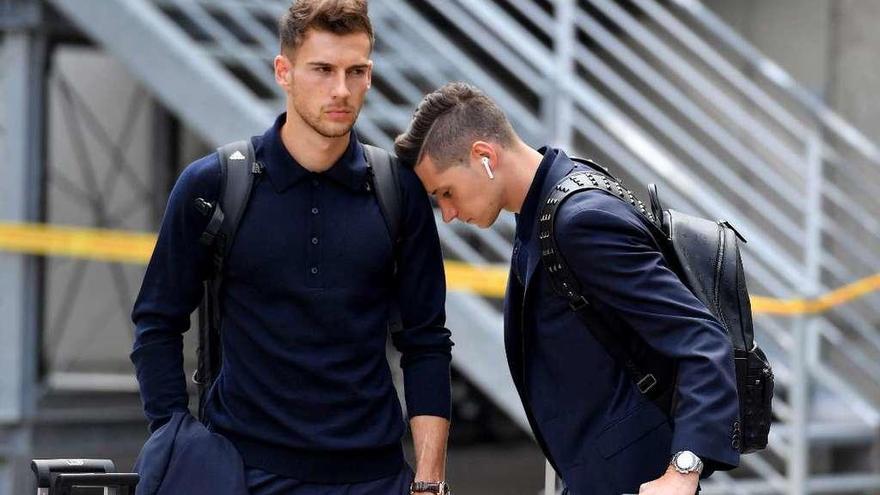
(314, 256)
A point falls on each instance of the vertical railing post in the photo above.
(549, 479)
(560, 116)
(806, 325)
(564, 45)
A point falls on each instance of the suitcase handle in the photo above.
(44, 468)
(63, 483)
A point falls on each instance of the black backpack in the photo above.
(705, 255)
(238, 171)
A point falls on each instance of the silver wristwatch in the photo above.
(686, 462)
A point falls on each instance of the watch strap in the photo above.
(437, 487)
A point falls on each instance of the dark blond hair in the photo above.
(448, 121)
(335, 16)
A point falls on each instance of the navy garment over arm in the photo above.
(305, 390)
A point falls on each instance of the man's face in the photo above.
(463, 192)
(326, 80)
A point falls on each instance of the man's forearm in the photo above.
(429, 440)
(159, 367)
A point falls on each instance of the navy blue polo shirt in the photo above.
(305, 390)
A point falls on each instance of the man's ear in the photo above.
(369, 73)
(483, 149)
(282, 71)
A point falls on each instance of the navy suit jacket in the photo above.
(601, 435)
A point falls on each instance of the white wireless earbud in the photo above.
(485, 161)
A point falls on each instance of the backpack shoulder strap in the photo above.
(566, 284)
(385, 180)
(237, 167)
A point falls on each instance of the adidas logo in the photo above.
(236, 156)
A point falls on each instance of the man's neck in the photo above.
(313, 151)
(525, 161)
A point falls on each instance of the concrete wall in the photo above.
(829, 46)
(854, 74)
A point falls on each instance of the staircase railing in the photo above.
(727, 136)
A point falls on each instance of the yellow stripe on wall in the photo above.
(486, 280)
(93, 244)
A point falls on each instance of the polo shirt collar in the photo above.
(284, 171)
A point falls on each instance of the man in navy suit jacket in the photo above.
(598, 431)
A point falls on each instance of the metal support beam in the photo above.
(198, 88)
(23, 59)
(20, 199)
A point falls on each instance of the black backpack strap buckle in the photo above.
(212, 231)
(578, 303)
(647, 383)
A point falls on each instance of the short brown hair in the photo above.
(335, 16)
(448, 121)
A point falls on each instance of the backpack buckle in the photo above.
(578, 304)
(207, 238)
(647, 383)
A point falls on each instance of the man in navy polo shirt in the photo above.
(305, 392)
(600, 433)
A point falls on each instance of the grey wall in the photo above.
(830, 46)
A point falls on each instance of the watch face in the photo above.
(686, 460)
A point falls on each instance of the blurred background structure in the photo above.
(762, 113)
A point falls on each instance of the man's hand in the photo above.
(672, 483)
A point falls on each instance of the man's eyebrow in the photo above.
(328, 64)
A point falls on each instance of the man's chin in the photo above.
(333, 129)
(488, 223)
(484, 224)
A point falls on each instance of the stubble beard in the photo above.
(325, 129)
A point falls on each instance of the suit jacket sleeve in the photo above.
(614, 257)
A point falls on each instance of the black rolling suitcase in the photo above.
(82, 477)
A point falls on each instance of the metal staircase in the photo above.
(664, 94)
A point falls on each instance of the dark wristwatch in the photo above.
(438, 487)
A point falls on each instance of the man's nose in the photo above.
(340, 87)
(449, 213)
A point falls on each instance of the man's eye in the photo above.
(323, 70)
(358, 72)
(447, 194)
